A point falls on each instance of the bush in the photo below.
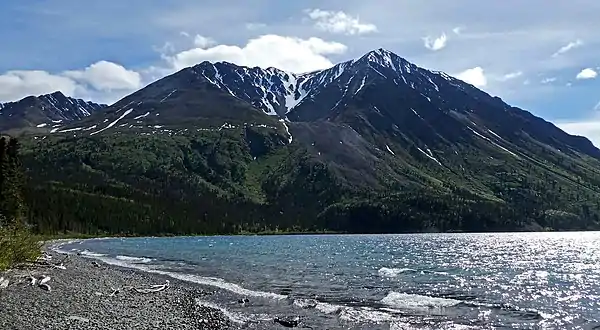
(17, 245)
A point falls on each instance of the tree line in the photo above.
(17, 244)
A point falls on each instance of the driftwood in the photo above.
(43, 262)
(32, 280)
(288, 323)
(153, 288)
(150, 289)
(44, 279)
(41, 282)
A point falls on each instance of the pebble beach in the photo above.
(85, 294)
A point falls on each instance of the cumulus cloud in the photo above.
(102, 81)
(589, 129)
(107, 76)
(548, 80)
(286, 53)
(587, 74)
(203, 42)
(570, 46)
(339, 22)
(437, 43)
(475, 76)
(15, 85)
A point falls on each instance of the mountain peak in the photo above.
(45, 111)
(57, 94)
(384, 58)
(380, 56)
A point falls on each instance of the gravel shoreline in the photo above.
(80, 298)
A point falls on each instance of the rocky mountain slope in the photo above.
(375, 144)
(44, 112)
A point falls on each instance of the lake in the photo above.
(421, 281)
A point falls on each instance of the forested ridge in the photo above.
(250, 181)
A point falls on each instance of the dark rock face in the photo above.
(44, 111)
(385, 94)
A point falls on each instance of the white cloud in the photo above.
(101, 82)
(570, 46)
(511, 75)
(15, 85)
(437, 43)
(548, 80)
(458, 30)
(589, 129)
(587, 74)
(475, 76)
(203, 42)
(107, 76)
(339, 22)
(286, 53)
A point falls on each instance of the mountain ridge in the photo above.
(46, 110)
(374, 140)
(299, 97)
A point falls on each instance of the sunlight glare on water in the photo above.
(447, 281)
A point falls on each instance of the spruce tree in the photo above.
(11, 178)
(3, 174)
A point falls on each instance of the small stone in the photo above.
(78, 318)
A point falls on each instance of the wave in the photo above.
(88, 253)
(235, 317)
(238, 318)
(393, 272)
(349, 314)
(366, 314)
(504, 308)
(135, 259)
(415, 301)
(128, 262)
(57, 245)
(323, 307)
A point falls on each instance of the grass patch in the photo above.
(17, 245)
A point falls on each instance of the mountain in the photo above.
(44, 112)
(375, 144)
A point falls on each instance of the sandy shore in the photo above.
(80, 298)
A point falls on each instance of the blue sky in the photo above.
(541, 55)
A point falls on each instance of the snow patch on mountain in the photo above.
(429, 155)
(277, 92)
(113, 123)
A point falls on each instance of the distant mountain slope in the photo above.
(375, 144)
(44, 112)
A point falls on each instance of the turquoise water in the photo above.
(429, 281)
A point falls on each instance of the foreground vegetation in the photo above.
(17, 244)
